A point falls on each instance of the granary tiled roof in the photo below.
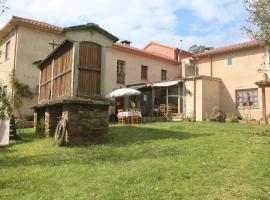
(93, 26)
(230, 48)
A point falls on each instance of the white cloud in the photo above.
(141, 20)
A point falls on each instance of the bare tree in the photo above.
(3, 7)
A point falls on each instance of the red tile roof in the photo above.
(169, 47)
(230, 48)
(29, 22)
(144, 53)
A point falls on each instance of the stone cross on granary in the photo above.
(53, 44)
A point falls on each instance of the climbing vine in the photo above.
(20, 91)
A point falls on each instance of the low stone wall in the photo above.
(87, 124)
(87, 121)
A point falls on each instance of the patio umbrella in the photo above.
(123, 92)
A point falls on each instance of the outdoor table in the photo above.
(128, 114)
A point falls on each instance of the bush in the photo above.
(40, 126)
(231, 117)
(217, 115)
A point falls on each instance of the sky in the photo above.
(202, 22)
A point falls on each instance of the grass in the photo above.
(150, 161)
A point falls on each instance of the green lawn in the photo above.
(150, 161)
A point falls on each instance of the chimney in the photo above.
(126, 42)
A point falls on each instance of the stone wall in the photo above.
(52, 115)
(87, 124)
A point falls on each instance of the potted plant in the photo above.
(133, 105)
(231, 118)
(4, 117)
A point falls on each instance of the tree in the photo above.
(259, 19)
(196, 49)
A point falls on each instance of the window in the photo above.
(247, 98)
(7, 50)
(229, 60)
(163, 75)
(121, 72)
(144, 75)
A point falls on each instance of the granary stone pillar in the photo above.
(52, 115)
(38, 115)
(35, 122)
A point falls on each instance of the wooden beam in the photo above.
(153, 98)
(51, 96)
(167, 99)
(39, 85)
(179, 98)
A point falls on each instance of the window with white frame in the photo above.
(247, 98)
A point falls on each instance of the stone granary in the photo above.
(70, 86)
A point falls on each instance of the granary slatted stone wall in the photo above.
(45, 82)
(62, 72)
(56, 73)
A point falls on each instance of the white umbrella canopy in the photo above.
(123, 92)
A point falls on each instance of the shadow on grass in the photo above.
(125, 144)
(127, 135)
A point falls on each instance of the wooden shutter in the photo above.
(89, 69)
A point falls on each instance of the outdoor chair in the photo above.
(162, 110)
(169, 109)
(135, 116)
(121, 118)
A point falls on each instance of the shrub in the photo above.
(40, 126)
(217, 115)
(231, 117)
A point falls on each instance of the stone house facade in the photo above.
(24, 41)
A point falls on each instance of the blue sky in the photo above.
(204, 22)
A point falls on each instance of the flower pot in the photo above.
(4, 132)
(253, 122)
(243, 121)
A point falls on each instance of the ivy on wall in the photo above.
(20, 91)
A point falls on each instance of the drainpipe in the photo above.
(167, 98)
(194, 99)
(15, 56)
(184, 93)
